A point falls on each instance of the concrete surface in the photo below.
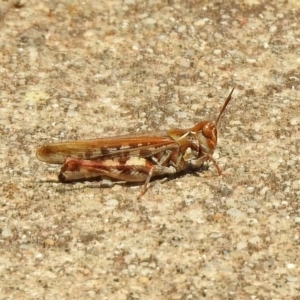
(77, 70)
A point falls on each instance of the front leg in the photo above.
(206, 157)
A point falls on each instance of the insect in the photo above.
(135, 158)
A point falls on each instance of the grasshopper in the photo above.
(135, 158)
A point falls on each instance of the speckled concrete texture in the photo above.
(78, 70)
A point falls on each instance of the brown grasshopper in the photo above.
(135, 158)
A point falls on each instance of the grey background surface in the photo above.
(77, 70)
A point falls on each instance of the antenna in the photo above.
(223, 107)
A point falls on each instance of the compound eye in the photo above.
(208, 130)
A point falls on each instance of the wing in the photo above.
(143, 145)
